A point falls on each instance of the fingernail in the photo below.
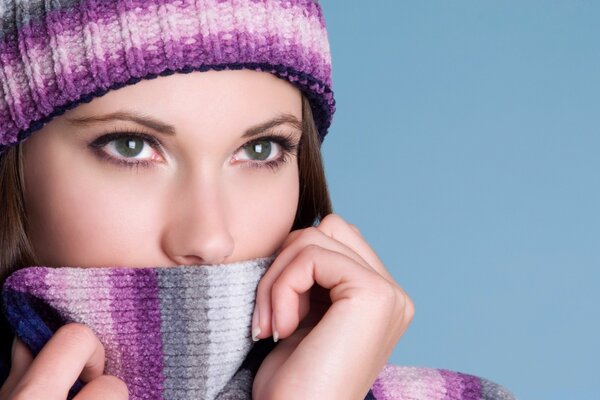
(255, 333)
(255, 324)
(275, 333)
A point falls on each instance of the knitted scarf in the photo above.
(184, 332)
(168, 333)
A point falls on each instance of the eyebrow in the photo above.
(164, 128)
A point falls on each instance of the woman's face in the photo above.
(191, 182)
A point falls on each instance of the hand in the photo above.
(342, 344)
(72, 352)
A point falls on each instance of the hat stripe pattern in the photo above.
(53, 58)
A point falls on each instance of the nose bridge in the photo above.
(203, 197)
(198, 230)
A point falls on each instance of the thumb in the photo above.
(21, 359)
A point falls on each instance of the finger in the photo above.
(331, 270)
(21, 359)
(368, 316)
(313, 235)
(104, 387)
(72, 351)
(337, 228)
(354, 228)
(300, 309)
(362, 304)
(310, 236)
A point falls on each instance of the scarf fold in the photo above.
(178, 333)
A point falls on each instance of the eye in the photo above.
(269, 152)
(260, 150)
(128, 148)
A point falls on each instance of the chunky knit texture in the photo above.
(169, 333)
(415, 383)
(182, 332)
(57, 54)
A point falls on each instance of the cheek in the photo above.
(263, 211)
(79, 217)
(84, 213)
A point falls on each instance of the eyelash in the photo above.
(286, 142)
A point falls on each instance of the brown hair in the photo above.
(314, 202)
(16, 251)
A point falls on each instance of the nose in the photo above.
(197, 230)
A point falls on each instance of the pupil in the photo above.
(129, 147)
(259, 150)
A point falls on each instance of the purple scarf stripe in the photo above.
(174, 332)
(141, 354)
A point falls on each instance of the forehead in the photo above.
(210, 99)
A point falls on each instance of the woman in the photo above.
(214, 161)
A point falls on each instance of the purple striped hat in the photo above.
(57, 54)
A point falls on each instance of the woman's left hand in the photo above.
(333, 346)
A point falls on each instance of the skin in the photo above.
(200, 198)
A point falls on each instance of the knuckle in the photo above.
(332, 220)
(386, 294)
(333, 223)
(308, 234)
(307, 255)
(402, 303)
(409, 309)
(386, 290)
(355, 229)
(311, 250)
(278, 288)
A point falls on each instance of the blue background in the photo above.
(466, 148)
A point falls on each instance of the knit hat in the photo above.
(56, 54)
(168, 332)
